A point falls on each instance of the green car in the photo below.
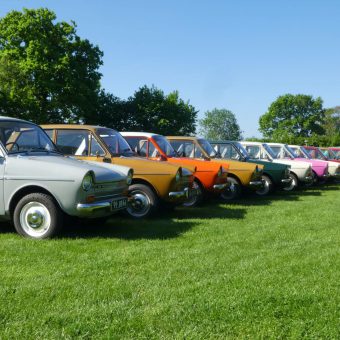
(275, 175)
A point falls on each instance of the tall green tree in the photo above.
(220, 124)
(149, 109)
(331, 125)
(47, 72)
(291, 116)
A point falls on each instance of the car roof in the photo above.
(5, 118)
(278, 144)
(183, 137)
(142, 134)
(72, 126)
(250, 143)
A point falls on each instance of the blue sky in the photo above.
(240, 55)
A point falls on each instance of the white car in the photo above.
(333, 167)
(300, 172)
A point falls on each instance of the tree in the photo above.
(47, 72)
(220, 124)
(331, 125)
(291, 116)
(149, 109)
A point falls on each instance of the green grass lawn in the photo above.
(257, 268)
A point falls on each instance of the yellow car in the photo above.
(241, 175)
(153, 184)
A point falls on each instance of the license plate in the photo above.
(119, 204)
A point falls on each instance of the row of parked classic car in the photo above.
(53, 173)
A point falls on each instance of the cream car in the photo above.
(300, 172)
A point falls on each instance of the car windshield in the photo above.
(316, 153)
(165, 146)
(289, 151)
(329, 153)
(206, 146)
(269, 151)
(336, 153)
(241, 149)
(301, 152)
(117, 145)
(18, 137)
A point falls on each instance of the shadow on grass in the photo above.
(168, 225)
(6, 227)
(208, 210)
(279, 195)
(125, 228)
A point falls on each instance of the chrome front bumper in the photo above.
(175, 195)
(286, 182)
(308, 179)
(220, 186)
(101, 208)
(256, 185)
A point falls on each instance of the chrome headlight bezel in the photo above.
(220, 172)
(129, 177)
(178, 175)
(87, 182)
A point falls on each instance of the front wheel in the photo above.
(267, 187)
(293, 184)
(233, 191)
(37, 216)
(198, 198)
(145, 201)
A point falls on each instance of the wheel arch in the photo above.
(145, 182)
(30, 189)
(236, 178)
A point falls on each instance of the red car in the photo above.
(210, 177)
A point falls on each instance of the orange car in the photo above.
(209, 177)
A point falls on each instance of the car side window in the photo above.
(152, 150)
(73, 142)
(186, 149)
(49, 133)
(142, 147)
(229, 152)
(133, 142)
(253, 151)
(96, 149)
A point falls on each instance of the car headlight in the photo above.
(287, 172)
(178, 175)
(129, 177)
(87, 182)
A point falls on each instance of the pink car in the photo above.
(318, 165)
(294, 152)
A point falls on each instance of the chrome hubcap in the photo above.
(140, 205)
(291, 186)
(35, 219)
(192, 201)
(264, 190)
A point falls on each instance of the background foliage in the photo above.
(220, 124)
(48, 74)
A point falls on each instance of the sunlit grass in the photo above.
(258, 268)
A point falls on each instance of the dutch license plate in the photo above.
(119, 204)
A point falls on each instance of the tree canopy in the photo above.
(47, 72)
(220, 124)
(293, 116)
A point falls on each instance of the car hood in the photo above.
(295, 164)
(237, 165)
(48, 167)
(143, 166)
(316, 163)
(270, 165)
